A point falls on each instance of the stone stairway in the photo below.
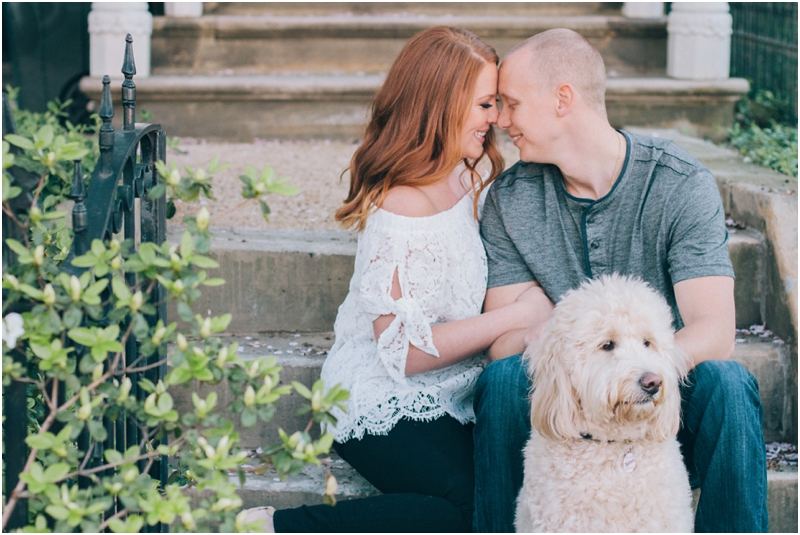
(284, 288)
(309, 70)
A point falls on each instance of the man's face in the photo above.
(528, 111)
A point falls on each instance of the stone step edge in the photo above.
(338, 242)
(430, 8)
(269, 87)
(310, 348)
(266, 26)
(307, 489)
(353, 484)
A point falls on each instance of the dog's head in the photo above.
(606, 365)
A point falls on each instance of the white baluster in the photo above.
(699, 40)
(109, 23)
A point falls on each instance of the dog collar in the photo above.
(628, 460)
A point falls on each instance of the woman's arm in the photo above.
(458, 340)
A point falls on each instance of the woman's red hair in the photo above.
(414, 135)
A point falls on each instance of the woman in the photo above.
(409, 335)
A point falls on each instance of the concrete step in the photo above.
(295, 280)
(323, 43)
(302, 355)
(335, 106)
(421, 8)
(308, 487)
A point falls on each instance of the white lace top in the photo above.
(441, 267)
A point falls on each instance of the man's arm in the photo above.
(709, 317)
(516, 341)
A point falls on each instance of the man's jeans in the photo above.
(721, 441)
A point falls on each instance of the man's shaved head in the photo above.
(562, 56)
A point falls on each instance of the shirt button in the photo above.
(594, 244)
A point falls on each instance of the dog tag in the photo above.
(629, 462)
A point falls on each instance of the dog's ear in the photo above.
(555, 409)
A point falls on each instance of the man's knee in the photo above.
(503, 385)
(725, 379)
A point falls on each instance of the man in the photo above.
(599, 201)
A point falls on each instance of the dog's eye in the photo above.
(647, 343)
(608, 346)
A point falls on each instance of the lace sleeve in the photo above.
(387, 253)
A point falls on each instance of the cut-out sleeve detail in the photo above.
(441, 269)
(410, 325)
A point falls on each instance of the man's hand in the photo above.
(709, 317)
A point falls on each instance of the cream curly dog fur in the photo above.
(605, 409)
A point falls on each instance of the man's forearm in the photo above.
(706, 341)
(511, 343)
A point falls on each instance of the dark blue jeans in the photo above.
(720, 436)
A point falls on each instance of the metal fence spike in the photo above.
(128, 87)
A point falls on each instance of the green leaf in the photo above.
(249, 417)
(19, 141)
(265, 210)
(113, 456)
(59, 512)
(120, 289)
(187, 244)
(185, 312)
(73, 317)
(97, 430)
(157, 191)
(286, 190)
(42, 441)
(302, 389)
(17, 247)
(56, 472)
(45, 134)
(84, 336)
(178, 376)
(204, 262)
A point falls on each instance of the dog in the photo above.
(605, 411)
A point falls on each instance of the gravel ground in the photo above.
(313, 166)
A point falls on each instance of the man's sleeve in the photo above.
(698, 239)
(506, 264)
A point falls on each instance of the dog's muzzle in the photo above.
(650, 383)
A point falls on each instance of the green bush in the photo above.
(69, 331)
(761, 135)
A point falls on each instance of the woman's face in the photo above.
(482, 113)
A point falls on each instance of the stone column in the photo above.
(699, 40)
(643, 10)
(183, 9)
(109, 23)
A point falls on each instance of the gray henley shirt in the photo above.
(662, 221)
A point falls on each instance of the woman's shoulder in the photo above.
(409, 202)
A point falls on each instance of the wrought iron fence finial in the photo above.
(80, 218)
(128, 87)
(106, 135)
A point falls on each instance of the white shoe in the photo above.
(264, 517)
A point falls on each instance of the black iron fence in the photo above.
(115, 198)
(764, 48)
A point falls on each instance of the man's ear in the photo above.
(566, 98)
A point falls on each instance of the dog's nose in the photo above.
(650, 383)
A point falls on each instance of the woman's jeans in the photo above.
(721, 440)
